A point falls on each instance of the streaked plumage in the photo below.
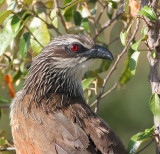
(50, 115)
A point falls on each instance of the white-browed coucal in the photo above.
(50, 115)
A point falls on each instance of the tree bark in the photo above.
(153, 44)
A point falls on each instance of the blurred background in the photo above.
(126, 108)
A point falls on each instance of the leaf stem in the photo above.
(107, 24)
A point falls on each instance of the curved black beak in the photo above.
(99, 52)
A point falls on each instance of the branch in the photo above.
(8, 149)
(116, 62)
(114, 40)
(92, 18)
(49, 25)
(68, 4)
(153, 43)
(60, 15)
(102, 10)
(107, 24)
(105, 94)
(28, 28)
(100, 2)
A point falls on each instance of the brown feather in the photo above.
(50, 116)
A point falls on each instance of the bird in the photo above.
(49, 115)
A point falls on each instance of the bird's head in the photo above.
(62, 63)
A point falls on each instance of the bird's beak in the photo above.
(98, 52)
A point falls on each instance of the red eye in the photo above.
(74, 47)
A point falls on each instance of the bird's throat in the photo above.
(41, 85)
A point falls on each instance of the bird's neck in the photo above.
(44, 82)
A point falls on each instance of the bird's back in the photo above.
(70, 129)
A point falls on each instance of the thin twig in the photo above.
(92, 18)
(114, 40)
(145, 147)
(8, 149)
(27, 28)
(115, 64)
(35, 15)
(105, 94)
(100, 3)
(107, 24)
(68, 4)
(4, 65)
(100, 14)
(58, 11)
(49, 25)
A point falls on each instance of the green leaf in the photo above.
(84, 11)
(85, 24)
(17, 76)
(41, 32)
(77, 18)
(54, 17)
(3, 100)
(123, 37)
(135, 45)
(12, 5)
(138, 139)
(4, 15)
(67, 2)
(86, 83)
(16, 21)
(92, 5)
(149, 13)
(144, 30)
(71, 4)
(68, 14)
(24, 44)
(1, 2)
(155, 104)
(27, 2)
(7, 35)
(49, 4)
(68, 11)
(153, 54)
(126, 74)
(110, 10)
(133, 62)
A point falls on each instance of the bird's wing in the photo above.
(51, 133)
(99, 132)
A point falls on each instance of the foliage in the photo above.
(4, 143)
(27, 26)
